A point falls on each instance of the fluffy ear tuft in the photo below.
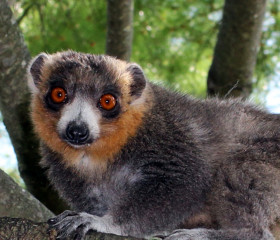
(138, 80)
(34, 70)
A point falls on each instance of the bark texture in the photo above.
(236, 50)
(17, 202)
(119, 28)
(14, 106)
(23, 229)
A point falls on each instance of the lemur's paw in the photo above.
(71, 224)
(188, 234)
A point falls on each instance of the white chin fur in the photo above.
(79, 146)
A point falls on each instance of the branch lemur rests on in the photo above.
(135, 159)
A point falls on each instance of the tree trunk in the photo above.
(236, 50)
(119, 28)
(14, 106)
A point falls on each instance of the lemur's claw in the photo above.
(70, 224)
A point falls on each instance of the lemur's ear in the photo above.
(138, 80)
(34, 70)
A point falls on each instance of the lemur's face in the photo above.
(85, 103)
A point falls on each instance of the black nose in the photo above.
(77, 133)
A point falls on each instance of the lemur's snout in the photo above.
(77, 134)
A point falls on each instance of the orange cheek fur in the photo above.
(114, 135)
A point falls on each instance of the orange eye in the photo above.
(107, 101)
(58, 95)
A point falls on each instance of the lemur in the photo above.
(135, 159)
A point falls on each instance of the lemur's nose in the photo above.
(77, 133)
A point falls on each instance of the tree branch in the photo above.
(23, 229)
(25, 12)
(17, 202)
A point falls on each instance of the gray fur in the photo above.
(215, 157)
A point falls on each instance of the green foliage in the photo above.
(66, 24)
(173, 39)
